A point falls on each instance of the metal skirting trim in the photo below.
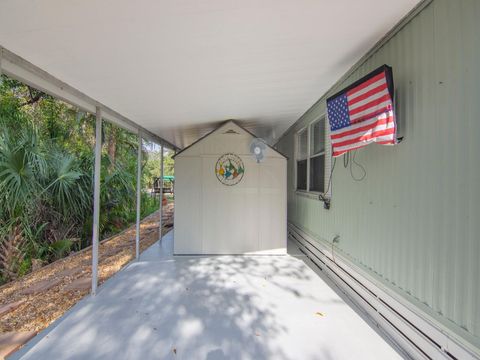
(414, 333)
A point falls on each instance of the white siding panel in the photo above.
(188, 206)
(231, 212)
(213, 218)
(272, 205)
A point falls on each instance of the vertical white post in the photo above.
(1, 59)
(139, 189)
(160, 226)
(308, 155)
(96, 199)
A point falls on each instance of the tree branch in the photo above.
(33, 98)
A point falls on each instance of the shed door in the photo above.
(230, 213)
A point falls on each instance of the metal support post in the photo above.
(161, 195)
(96, 199)
(139, 189)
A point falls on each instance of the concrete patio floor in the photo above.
(224, 307)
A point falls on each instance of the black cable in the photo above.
(346, 157)
(359, 165)
(330, 178)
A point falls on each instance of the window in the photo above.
(310, 157)
(317, 156)
(302, 159)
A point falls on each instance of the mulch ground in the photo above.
(33, 302)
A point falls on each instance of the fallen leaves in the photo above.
(41, 307)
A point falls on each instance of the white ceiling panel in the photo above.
(178, 67)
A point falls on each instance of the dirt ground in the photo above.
(49, 292)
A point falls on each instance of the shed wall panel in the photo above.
(272, 204)
(231, 229)
(215, 218)
(188, 211)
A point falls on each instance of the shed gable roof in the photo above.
(228, 127)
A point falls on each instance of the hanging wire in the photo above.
(346, 158)
(358, 165)
(330, 177)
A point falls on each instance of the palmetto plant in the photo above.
(11, 252)
(21, 166)
(40, 187)
(67, 186)
(46, 178)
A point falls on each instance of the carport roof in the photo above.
(177, 68)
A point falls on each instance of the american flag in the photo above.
(363, 114)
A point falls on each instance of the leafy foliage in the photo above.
(46, 178)
(11, 254)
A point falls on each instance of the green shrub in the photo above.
(46, 179)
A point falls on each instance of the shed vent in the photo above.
(232, 132)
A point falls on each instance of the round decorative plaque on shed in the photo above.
(229, 169)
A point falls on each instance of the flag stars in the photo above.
(338, 112)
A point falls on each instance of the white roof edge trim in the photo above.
(219, 128)
(20, 69)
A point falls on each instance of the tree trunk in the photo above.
(112, 146)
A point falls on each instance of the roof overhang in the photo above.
(176, 68)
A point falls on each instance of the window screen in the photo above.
(302, 159)
(302, 175)
(310, 158)
(302, 145)
(317, 156)
(318, 137)
(317, 171)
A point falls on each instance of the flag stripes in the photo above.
(362, 115)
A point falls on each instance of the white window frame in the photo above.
(327, 159)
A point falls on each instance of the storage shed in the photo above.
(226, 202)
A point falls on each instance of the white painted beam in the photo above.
(160, 224)
(1, 60)
(96, 199)
(139, 196)
(18, 68)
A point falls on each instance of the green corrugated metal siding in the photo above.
(414, 222)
